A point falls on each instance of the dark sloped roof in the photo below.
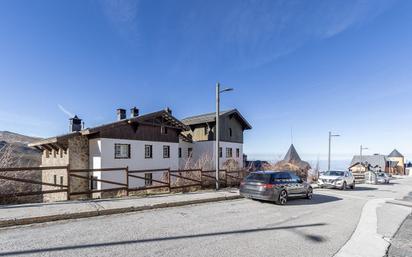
(166, 116)
(395, 153)
(186, 138)
(376, 160)
(292, 155)
(210, 117)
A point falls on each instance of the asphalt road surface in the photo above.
(317, 227)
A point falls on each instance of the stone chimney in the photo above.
(134, 112)
(121, 114)
(168, 110)
(75, 124)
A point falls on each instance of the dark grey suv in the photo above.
(276, 186)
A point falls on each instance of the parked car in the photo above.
(382, 178)
(337, 179)
(275, 186)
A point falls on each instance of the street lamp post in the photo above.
(330, 139)
(361, 149)
(218, 92)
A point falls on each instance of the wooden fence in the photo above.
(171, 180)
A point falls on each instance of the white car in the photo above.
(382, 178)
(337, 179)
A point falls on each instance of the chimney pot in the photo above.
(121, 114)
(134, 112)
(75, 124)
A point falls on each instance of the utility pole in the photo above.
(218, 92)
(330, 142)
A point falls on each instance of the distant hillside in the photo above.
(14, 150)
(11, 137)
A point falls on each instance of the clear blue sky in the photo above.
(312, 66)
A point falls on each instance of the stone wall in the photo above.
(77, 155)
(79, 159)
(54, 158)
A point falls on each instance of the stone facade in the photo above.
(79, 159)
(77, 155)
(57, 176)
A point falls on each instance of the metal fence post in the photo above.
(169, 180)
(68, 182)
(127, 180)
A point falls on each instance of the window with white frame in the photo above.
(229, 152)
(148, 151)
(166, 151)
(122, 151)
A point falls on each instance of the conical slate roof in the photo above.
(293, 163)
(395, 153)
(292, 155)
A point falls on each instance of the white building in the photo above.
(198, 146)
(155, 141)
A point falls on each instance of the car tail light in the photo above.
(268, 186)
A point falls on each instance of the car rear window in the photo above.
(258, 177)
(281, 177)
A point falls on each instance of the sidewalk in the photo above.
(379, 221)
(401, 244)
(11, 215)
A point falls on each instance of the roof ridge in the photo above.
(209, 113)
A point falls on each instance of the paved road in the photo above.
(233, 228)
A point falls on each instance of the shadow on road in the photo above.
(316, 199)
(160, 239)
(361, 188)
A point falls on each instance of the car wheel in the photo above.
(353, 185)
(283, 198)
(309, 193)
(343, 185)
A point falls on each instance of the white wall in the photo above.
(206, 149)
(137, 160)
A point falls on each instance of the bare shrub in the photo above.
(11, 157)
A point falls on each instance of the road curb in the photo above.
(366, 241)
(88, 214)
